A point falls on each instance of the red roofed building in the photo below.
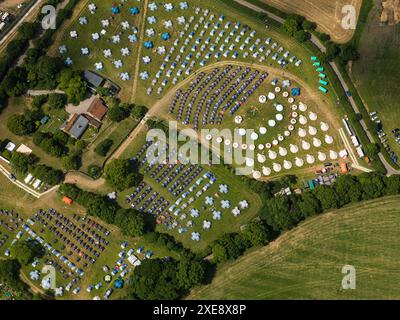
(97, 109)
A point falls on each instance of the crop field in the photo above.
(306, 262)
(326, 13)
(375, 73)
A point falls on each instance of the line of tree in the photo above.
(54, 144)
(24, 163)
(122, 174)
(166, 279)
(300, 28)
(37, 69)
(285, 212)
(232, 245)
(131, 222)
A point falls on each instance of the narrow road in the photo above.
(322, 48)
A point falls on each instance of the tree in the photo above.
(372, 185)
(69, 190)
(155, 279)
(57, 101)
(21, 162)
(102, 207)
(27, 30)
(308, 25)
(327, 196)
(301, 36)
(94, 171)
(48, 174)
(138, 111)
(18, 125)
(64, 78)
(117, 113)
(103, 147)
(39, 101)
(72, 162)
(227, 247)
(291, 26)
(14, 83)
(309, 205)
(332, 51)
(131, 222)
(255, 234)
(47, 69)
(9, 275)
(278, 213)
(372, 150)
(349, 53)
(190, 273)
(348, 189)
(26, 251)
(122, 174)
(393, 185)
(76, 90)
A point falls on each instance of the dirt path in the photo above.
(84, 181)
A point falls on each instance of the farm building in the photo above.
(93, 80)
(97, 109)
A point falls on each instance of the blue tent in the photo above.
(165, 36)
(115, 9)
(119, 284)
(295, 92)
(148, 44)
(134, 11)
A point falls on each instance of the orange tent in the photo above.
(344, 168)
(68, 201)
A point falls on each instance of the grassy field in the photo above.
(237, 192)
(96, 48)
(18, 105)
(306, 263)
(376, 74)
(11, 197)
(116, 132)
(256, 115)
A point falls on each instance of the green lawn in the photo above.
(306, 263)
(256, 115)
(377, 72)
(238, 191)
(18, 105)
(117, 132)
(94, 25)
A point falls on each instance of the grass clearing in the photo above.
(306, 262)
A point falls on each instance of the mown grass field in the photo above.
(376, 74)
(306, 263)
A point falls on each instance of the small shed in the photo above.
(67, 200)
